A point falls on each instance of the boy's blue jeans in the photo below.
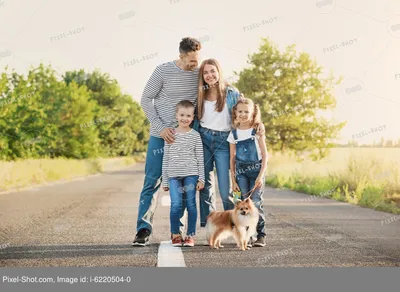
(152, 182)
(177, 187)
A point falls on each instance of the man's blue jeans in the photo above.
(177, 187)
(216, 149)
(152, 182)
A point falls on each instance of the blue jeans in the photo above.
(177, 187)
(152, 182)
(246, 182)
(216, 149)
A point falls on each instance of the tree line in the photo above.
(77, 115)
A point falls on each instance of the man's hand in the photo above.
(166, 189)
(199, 186)
(168, 135)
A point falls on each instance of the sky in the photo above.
(356, 39)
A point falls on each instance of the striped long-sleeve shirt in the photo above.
(167, 86)
(184, 157)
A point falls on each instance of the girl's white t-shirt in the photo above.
(214, 120)
(243, 135)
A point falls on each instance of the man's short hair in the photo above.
(189, 44)
(184, 104)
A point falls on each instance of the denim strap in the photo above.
(234, 133)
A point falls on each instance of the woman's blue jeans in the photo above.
(216, 150)
(177, 187)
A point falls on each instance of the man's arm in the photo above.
(150, 92)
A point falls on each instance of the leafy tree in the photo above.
(290, 91)
(83, 115)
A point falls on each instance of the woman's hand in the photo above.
(241, 97)
(199, 186)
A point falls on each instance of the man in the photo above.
(169, 84)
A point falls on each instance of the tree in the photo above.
(389, 143)
(83, 115)
(290, 91)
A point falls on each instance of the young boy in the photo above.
(183, 172)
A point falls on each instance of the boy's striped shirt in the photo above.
(184, 157)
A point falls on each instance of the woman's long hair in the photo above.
(256, 118)
(203, 88)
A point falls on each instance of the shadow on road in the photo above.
(68, 251)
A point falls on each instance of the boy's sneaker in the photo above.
(177, 241)
(142, 238)
(189, 241)
(260, 241)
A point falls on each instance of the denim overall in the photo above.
(247, 170)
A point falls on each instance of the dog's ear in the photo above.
(246, 200)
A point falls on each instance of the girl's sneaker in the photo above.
(177, 241)
(189, 241)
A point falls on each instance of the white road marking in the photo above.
(165, 201)
(170, 256)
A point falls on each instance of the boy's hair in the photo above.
(189, 44)
(184, 104)
(256, 118)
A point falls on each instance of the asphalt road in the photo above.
(91, 222)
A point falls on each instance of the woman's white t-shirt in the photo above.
(214, 120)
(243, 135)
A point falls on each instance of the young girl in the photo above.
(215, 102)
(249, 158)
(183, 172)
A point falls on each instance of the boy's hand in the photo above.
(199, 186)
(166, 189)
(235, 187)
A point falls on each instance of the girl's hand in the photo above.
(200, 186)
(260, 129)
(259, 182)
(166, 189)
(235, 187)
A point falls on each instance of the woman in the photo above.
(216, 98)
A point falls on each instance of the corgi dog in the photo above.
(241, 223)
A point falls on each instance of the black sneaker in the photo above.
(260, 241)
(142, 238)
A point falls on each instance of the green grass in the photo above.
(365, 177)
(23, 173)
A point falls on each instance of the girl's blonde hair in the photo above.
(256, 118)
(203, 87)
